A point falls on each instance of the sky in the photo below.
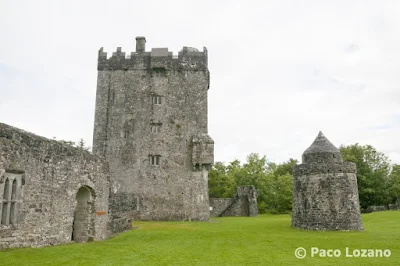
(281, 71)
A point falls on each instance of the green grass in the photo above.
(263, 240)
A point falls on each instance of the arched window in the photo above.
(13, 207)
(11, 198)
(4, 209)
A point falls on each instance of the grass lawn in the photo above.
(262, 240)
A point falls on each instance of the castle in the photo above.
(151, 126)
(150, 161)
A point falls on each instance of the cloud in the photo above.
(280, 70)
(351, 48)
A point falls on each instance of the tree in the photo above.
(285, 168)
(372, 173)
(280, 193)
(82, 145)
(252, 171)
(273, 182)
(257, 172)
(394, 183)
(220, 184)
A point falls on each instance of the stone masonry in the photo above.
(151, 126)
(325, 194)
(41, 182)
(151, 156)
(244, 203)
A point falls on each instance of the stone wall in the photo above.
(244, 203)
(151, 126)
(219, 205)
(39, 182)
(326, 202)
(389, 207)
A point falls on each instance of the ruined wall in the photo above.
(325, 193)
(154, 104)
(392, 207)
(244, 203)
(219, 205)
(38, 208)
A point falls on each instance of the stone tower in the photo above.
(151, 126)
(325, 193)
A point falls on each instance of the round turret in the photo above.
(325, 191)
(322, 151)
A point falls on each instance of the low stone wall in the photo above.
(219, 205)
(39, 182)
(390, 207)
(244, 203)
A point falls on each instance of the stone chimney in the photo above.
(140, 44)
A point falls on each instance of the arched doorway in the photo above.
(84, 215)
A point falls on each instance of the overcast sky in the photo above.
(281, 71)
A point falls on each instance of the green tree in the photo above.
(255, 173)
(285, 168)
(274, 182)
(280, 187)
(220, 184)
(372, 173)
(280, 193)
(252, 171)
(394, 183)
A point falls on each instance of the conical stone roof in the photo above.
(322, 151)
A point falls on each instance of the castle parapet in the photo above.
(188, 59)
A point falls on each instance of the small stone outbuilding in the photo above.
(325, 193)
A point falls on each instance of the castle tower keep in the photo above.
(151, 126)
(325, 193)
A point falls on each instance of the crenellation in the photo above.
(187, 59)
(119, 54)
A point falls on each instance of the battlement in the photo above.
(187, 59)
